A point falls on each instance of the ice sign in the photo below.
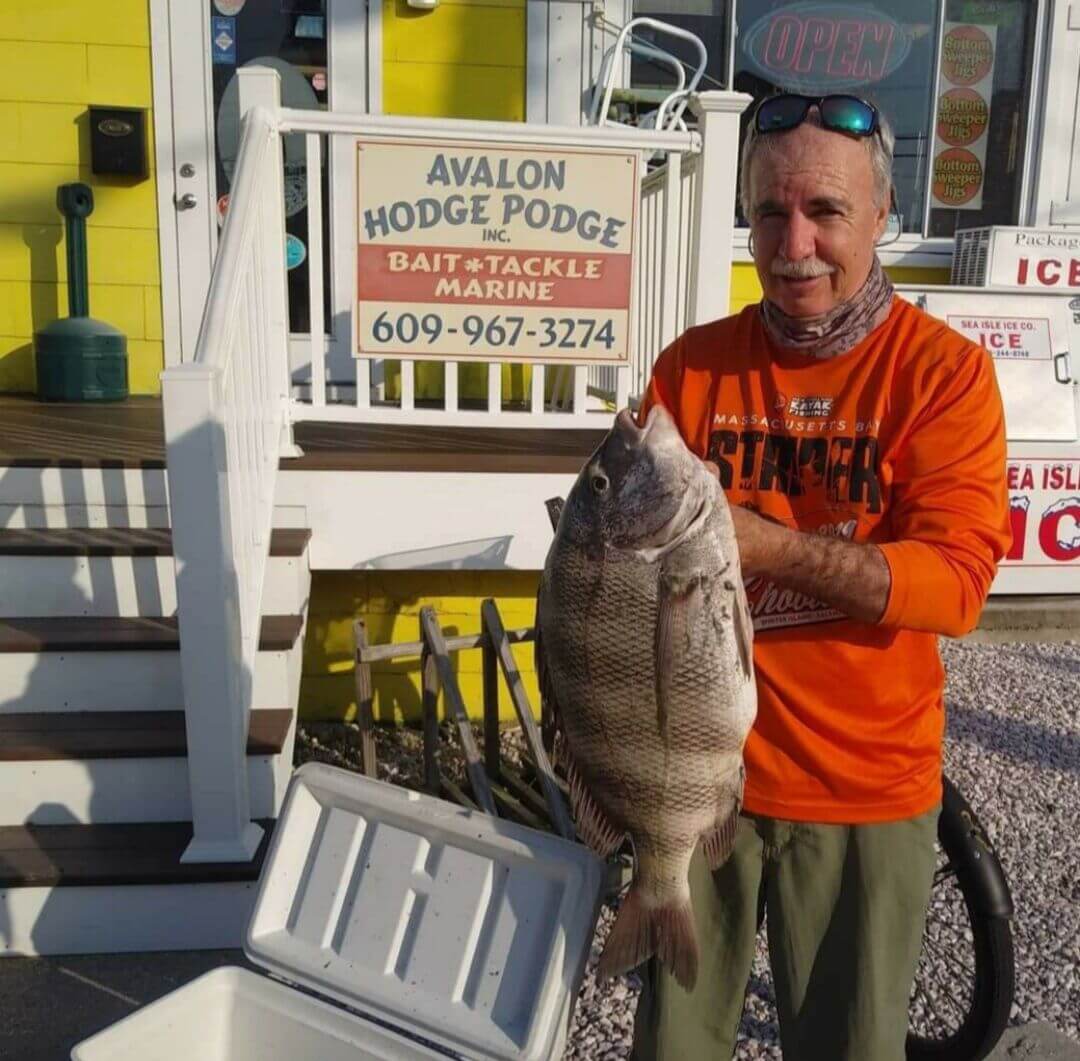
(1008, 338)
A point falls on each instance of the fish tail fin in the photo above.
(640, 931)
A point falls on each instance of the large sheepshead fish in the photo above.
(644, 657)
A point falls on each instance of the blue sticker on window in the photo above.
(223, 40)
(313, 27)
(295, 251)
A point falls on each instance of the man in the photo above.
(862, 445)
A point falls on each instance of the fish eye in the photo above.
(599, 483)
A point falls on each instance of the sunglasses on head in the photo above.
(840, 114)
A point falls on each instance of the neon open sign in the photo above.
(823, 47)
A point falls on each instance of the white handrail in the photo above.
(617, 137)
(225, 414)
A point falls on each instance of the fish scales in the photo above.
(644, 657)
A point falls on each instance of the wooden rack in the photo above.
(536, 796)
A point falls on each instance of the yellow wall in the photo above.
(464, 59)
(390, 603)
(57, 57)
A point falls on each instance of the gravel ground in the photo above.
(1013, 749)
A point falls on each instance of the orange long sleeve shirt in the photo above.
(900, 442)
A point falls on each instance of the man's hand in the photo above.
(850, 576)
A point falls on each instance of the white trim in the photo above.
(126, 917)
(537, 61)
(354, 73)
(931, 118)
(1058, 112)
(409, 414)
(1033, 135)
(621, 137)
(375, 57)
(717, 115)
(161, 75)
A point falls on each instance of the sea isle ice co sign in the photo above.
(466, 251)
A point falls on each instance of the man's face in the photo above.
(814, 218)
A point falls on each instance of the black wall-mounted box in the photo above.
(118, 141)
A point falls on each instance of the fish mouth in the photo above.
(630, 431)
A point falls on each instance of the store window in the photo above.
(953, 76)
(290, 36)
(707, 18)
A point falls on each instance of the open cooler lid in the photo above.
(464, 930)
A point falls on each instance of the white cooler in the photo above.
(394, 926)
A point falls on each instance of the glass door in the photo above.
(319, 49)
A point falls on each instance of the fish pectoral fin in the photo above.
(744, 632)
(679, 606)
(593, 825)
(719, 842)
(549, 710)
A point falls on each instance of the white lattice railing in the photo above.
(662, 297)
(225, 413)
(557, 395)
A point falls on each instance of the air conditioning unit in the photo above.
(1032, 259)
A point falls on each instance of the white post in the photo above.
(714, 211)
(208, 607)
(260, 86)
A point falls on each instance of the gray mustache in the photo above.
(803, 269)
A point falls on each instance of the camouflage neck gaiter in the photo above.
(839, 330)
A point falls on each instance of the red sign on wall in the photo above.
(1044, 510)
(816, 47)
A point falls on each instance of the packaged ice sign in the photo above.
(1030, 338)
(816, 47)
(471, 252)
(1036, 259)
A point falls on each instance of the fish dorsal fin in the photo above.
(593, 824)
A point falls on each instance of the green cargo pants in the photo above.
(846, 910)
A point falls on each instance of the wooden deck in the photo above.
(130, 435)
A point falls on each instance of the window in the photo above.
(290, 36)
(953, 77)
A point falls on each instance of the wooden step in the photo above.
(47, 735)
(95, 855)
(105, 634)
(122, 541)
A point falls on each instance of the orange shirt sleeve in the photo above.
(950, 510)
(664, 385)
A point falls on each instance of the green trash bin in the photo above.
(79, 359)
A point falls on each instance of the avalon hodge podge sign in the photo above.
(467, 252)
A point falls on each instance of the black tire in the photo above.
(976, 1019)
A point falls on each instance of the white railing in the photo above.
(225, 414)
(564, 395)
